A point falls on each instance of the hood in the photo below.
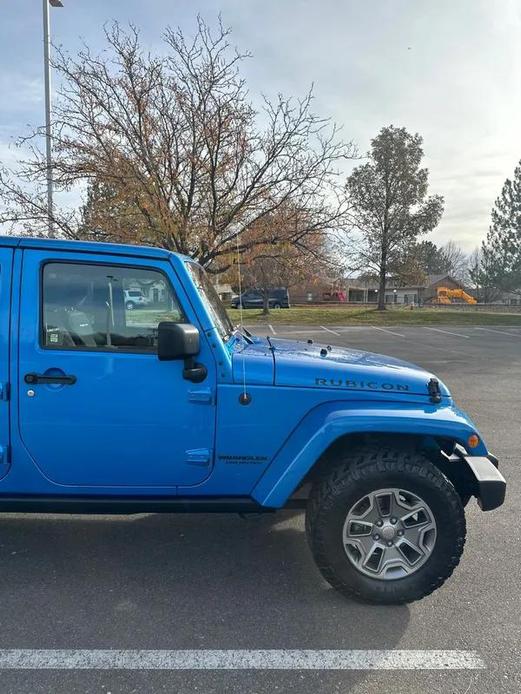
(252, 362)
(300, 364)
(320, 366)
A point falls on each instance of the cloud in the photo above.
(9, 154)
(25, 95)
(448, 70)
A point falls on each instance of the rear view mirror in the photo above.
(177, 341)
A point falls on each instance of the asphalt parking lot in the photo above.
(209, 582)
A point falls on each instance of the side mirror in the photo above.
(177, 341)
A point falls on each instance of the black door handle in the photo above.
(41, 378)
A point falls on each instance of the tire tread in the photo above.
(359, 465)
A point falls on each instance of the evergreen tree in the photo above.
(480, 278)
(501, 250)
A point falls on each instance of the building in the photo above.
(365, 291)
(509, 298)
(397, 293)
(225, 292)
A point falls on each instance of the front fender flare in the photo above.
(326, 423)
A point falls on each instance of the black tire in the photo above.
(130, 306)
(367, 470)
(276, 305)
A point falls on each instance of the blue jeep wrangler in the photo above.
(171, 408)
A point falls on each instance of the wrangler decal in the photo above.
(242, 459)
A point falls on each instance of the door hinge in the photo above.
(199, 456)
(5, 391)
(200, 395)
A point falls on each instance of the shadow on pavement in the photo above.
(184, 581)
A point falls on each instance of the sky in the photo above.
(447, 69)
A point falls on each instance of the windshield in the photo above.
(211, 300)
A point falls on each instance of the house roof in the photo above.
(429, 282)
(432, 279)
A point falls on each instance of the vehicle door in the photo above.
(6, 259)
(97, 407)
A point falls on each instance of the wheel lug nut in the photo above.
(379, 523)
(376, 537)
(400, 532)
(389, 544)
(393, 521)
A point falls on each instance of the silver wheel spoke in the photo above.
(389, 533)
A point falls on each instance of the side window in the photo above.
(105, 307)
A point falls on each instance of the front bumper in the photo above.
(490, 485)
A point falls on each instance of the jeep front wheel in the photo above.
(385, 526)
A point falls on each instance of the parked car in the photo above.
(100, 413)
(134, 298)
(254, 298)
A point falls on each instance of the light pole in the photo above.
(47, 81)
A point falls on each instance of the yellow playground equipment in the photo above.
(444, 295)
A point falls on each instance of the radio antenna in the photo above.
(240, 278)
(244, 393)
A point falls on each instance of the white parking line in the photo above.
(384, 330)
(500, 332)
(330, 331)
(26, 659)
(447, 332)
(271, 328)
(301, 332)
(352, 328)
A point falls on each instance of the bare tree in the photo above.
(455, 261)
(284, 261)
(173, 152)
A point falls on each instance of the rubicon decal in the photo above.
(360, 385)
